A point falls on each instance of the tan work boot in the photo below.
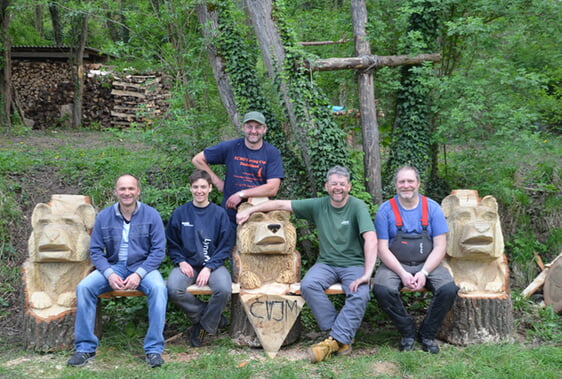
(343, 349)
(323, 350)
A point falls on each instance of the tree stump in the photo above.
(58, 260)
(49, 335)
(477, 320)
(483, 311)
(553, 285)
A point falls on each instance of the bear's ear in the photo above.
(87, 214)
(449, 203)
(490, 202)
(40, 211)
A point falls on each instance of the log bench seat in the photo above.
(293, 289)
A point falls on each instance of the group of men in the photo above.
(128, 243)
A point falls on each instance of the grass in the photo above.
(224, 359)
(29, 173)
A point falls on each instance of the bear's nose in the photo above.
(274, 227)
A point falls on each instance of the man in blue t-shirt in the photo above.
(253, 166)
(412, 238)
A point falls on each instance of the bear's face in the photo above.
(474, 229)
(60, 235)
(267, 233)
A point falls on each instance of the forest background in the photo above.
(485, 116)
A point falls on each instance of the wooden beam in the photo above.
(370, 62)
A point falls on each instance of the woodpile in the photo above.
(44, 94)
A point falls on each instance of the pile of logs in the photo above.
(44, 94)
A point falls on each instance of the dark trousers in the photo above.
(390, 301)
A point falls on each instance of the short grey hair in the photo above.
(407, 168)
(338, 170)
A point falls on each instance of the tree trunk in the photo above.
(367, 107)
(79, 72)
(273, 53)
(56, 23)
(210, 26)
(474, 320)
(5, 76)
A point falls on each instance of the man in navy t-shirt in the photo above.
(253, 166)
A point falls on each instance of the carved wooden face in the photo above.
(267, 233)
(60, 236)
(474, 229)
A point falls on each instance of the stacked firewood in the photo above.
(44, 94)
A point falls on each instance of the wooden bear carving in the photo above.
(58, 253)
(475, 246)
(266, 250)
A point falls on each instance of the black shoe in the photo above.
(406, 344)
(429, 346)
(197, 335)
(223, 323)
(80, 359)
(154, 360)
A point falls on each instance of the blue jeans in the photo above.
(345, 323)
(207, 314)
(87, 298)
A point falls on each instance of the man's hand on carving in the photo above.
(132, 281)
(186, 269)
(203, 277)
(242, 216)
(116, 282)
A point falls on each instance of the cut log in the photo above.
(49, 335)
(553, 285)
(473, 320)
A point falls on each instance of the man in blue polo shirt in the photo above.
(253, 166)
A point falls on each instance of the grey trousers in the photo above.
(208, 314)
(343, 324)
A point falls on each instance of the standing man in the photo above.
(412, 233)
(348, 252)
(126, 247)
(253, 166)
(200, 239)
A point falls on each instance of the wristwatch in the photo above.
(241, 194)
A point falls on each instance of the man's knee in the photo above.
(384, 294)
(447, 291)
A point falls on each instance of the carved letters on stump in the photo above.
(58, 260)
(483, 309)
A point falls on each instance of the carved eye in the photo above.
(463, 216)
(278, 216)
(489, 216)
(258, 216)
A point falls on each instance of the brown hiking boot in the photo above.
(343, 349)
(323, 350)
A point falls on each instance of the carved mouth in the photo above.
(271, 240)
(477, 241)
